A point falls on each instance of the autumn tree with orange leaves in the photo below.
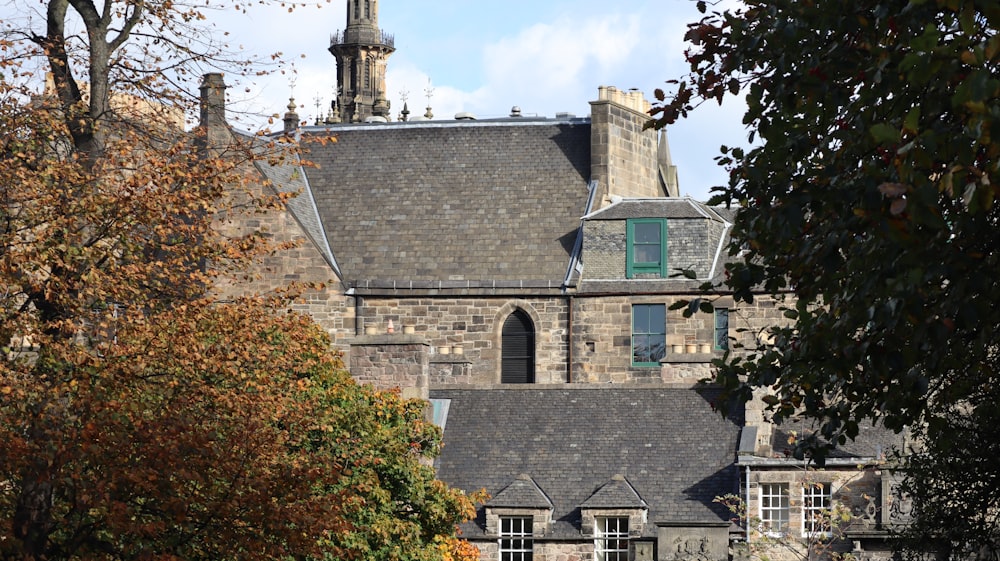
(140, 418)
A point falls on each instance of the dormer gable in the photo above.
(522, 498)
(615, 499)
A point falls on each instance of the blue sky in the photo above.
(483, 57)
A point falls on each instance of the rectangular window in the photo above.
(774, 507)
(816, 503)
(515, 538)
(721, 329)
(646, 249)
(649, 334)
(612, 539)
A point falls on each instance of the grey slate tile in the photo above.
(676, 452)
(468, 201)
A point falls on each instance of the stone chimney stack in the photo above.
(624, 154)
(213, 111)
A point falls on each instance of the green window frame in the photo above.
(721, 342)
(649, 334)
(646, 247)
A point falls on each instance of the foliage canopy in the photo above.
(870, 198)
(140, 417)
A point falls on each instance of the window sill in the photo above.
(691, 357)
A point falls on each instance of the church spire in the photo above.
(361, 50)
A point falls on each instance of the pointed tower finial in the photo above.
(362, 51)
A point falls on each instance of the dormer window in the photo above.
(646, 252)
(516, 543)
(611, 538)
(614, 514)
(517, 515)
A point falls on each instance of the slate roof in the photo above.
(675, 451)
(460, 200)
(666, 207)
(872, 442)
(523, 492)
(617, 493)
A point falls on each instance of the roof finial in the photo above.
(429, 92)
(333, 117)
(318, 101)
(404, 115)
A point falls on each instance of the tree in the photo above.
(140, 417)
(869, 198)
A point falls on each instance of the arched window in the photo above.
(368, 9)
(517, 362)
(357, 12)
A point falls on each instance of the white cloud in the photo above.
(547, 66)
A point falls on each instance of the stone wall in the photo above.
(543, 551)
(680, 542)
(748, 327)
(297, 261)
(855, 491)
(602, 342)
(392, 361)
(474, 324)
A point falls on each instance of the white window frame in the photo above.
(515, 538)
(774, 508)
(817, 508)
(611, 538)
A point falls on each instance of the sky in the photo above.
(486, 56)
(476, 56)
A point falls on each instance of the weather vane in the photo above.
(429, 91)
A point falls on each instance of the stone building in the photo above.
(518, 273)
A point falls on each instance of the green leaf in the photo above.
(884, 133)
(912, 121)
